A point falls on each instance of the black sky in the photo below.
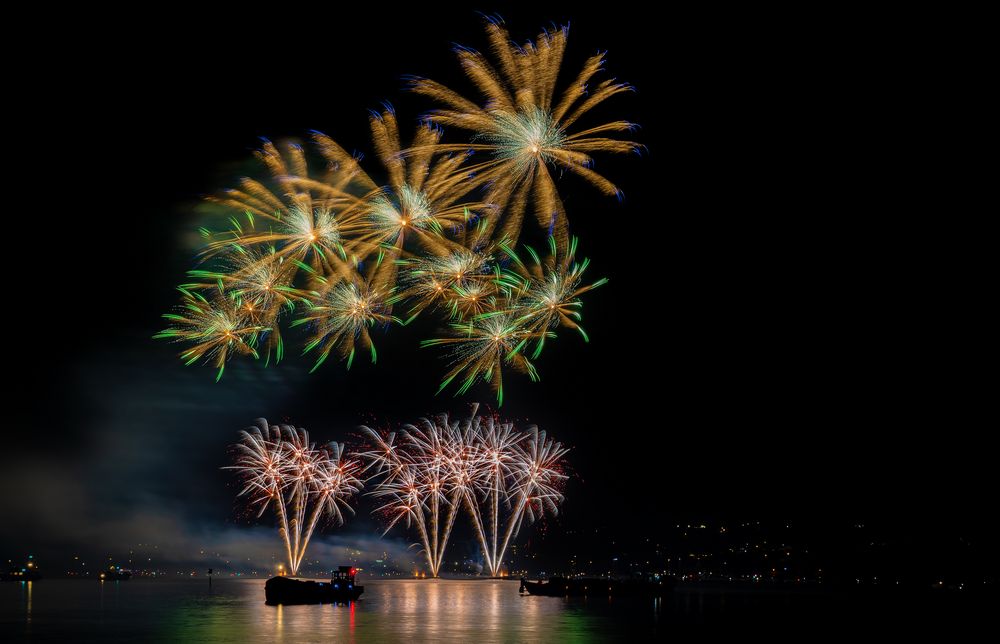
(766, 345)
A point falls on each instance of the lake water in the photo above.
(473, 610)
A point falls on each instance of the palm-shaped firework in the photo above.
(303, 483)
(429, 471)
(524, 126)
(318, 243)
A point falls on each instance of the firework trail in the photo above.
(529, 301)
(546, 292)
(428, 472)
(259, 284)
(524, 126)
(304, 484)
(342, 319)
(315, 242)
(483, 347)
(216, 328)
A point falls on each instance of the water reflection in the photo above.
(471, 610)
(28, 590)
(412, 610)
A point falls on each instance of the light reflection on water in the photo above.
(233, 610)
(411, 611)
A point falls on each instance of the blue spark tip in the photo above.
(493, 19)
(557, 27)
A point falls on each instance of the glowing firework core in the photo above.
(525, 136)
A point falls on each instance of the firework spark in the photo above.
(546, 292)
(315, 221)
(425, 205)
(440, 280)
(304, 484)
(499, 321)
(343, 317)
(217, 328)
(429, 471)
(483, 347)
(315, 241)
(258, 281)
(525, 128)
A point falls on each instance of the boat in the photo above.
(596, 586)
(28, 571)
(116, 573)
(288, 590)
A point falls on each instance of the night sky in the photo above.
(764, 347)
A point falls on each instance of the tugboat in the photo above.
(592, 586)
(116, 573)
(341, 588)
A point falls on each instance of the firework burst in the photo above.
(525, 127)
(503, 322)
(342, 319)
(438, 280)
(258, 281)
(217, 329)
(315, 221)
(429, 471)
(545, 293)
(426, 203)
(314, 241)
(304, 484)
(481, 348)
